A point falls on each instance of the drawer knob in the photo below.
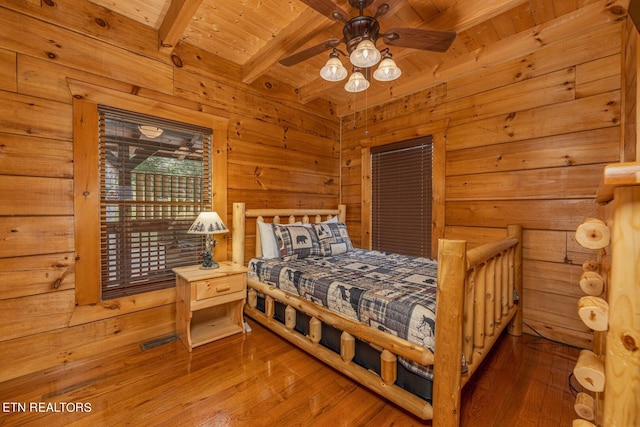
(223, 288)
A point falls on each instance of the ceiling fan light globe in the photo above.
(333, 70)
(357, 83)
(387, 71)
(365, 55)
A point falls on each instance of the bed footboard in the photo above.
(475, 302)
(392, 347)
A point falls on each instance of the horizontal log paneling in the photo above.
(76, 51)
(23, 195)
(561, 307)
(275, 136)
(60, 346)
(25, 115)
(574, 52)
(599, 69)
(29, 156)
(553, 278)
(475, 236)
(49, 80)
(35, 314)
(277, 198)
(576, 182)
(529, 133)
(597, 112)
(552, 88)
(546, 245)
(96, 21)
(32, 235)
(257, 154)
(260, 178)
(31, 275)
(51, 53)
(554, 331)
(581, 148)
(230, 99)
(8, 71)
(536, 214)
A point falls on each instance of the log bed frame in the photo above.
(474, 305)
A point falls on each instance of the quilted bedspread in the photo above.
(393, 293)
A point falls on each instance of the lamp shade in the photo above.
(357, 83)
(366, 54)
(387, 70)
(333, 70)
(208, 223)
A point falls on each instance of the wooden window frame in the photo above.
(437, 130)
(86, 98)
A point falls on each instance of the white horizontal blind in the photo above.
(402, 197)
(152, 189)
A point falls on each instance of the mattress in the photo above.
(390, 292)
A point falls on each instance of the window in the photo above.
(401, 197)
(154, 180)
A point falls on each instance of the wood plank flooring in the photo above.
(259, 379)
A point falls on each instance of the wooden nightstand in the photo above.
(209, 303)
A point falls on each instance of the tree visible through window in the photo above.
(154, 179)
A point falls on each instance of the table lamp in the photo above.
(208, 223)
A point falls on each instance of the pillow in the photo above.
(268, 239)
(296, 242)
(333, 237)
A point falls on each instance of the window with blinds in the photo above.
(401, 197)
(154, 181)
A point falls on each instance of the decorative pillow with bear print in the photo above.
(334, 238)
(296, 242)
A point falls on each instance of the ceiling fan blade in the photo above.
(328, 8)
(309, 52)
(381, 10)
(434, 40)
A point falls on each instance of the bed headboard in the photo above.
(241, 214)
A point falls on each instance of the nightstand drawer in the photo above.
(220, 286)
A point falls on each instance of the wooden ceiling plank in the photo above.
(289, 40)
(426, 9)
(461, 16)
(454, 18)
(175, 22)
(504, 25)
(542, 10)
(565, 6)
(522, 17)
(523, 43)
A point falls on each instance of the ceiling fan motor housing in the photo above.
(359, 28)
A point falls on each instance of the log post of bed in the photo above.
(447, 371)
(477, 298)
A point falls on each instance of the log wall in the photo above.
(526, 142)
(279, 153)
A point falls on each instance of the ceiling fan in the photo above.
(366, 28)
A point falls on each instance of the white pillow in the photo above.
(268, 239)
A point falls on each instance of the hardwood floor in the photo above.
(260, 379)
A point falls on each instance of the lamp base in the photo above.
(208, 263)
(209, 266)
